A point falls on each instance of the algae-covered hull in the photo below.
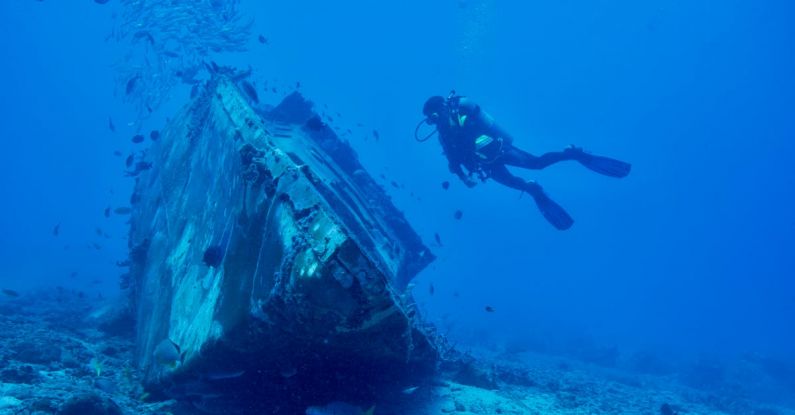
(263, 250)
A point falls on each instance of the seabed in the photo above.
(64, 353)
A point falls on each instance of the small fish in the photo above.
(117, 153)
(73, 274)
(96, 246)
(194, 90)
(170, 54)
(445, 185)
(250, 91)
(101, 1)
(338, 408)
(107, 212)
(122, 211)
(187, 76)
(438, 239)
(224, 375)
(212, 67)
(458, 215)
(148, 108)
(129, 161)
(10, 293)
(143, 34)
(98, 231)
(409, 391)
(140, 166)
(122, 264)
(105, 385)
(154, 135)
(666, 409)
(143, 165)
(124, 281)
(315, 123)
(376, 135)
(168, 353)
(395, 184)
(138, 138)
(489, 309)
(131, 84)
(111, 126)
(262, 39)
(431, 289)
(56, 230)
(213, 256)
(288, 372)
(297, 84)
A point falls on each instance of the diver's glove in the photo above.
(468, 180)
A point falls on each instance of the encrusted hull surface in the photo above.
(265, 252)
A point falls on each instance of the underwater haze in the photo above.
(689, 259)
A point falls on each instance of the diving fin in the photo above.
(606, 166)
(552, 212)
(602, 165)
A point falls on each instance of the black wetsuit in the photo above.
(473, 139)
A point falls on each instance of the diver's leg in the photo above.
(500, 174)
(514, 156)
(553, 213)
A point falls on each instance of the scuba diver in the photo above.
(472, 140)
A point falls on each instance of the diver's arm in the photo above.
(451, 153)
(455, 167)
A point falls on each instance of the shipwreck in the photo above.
(271, 260)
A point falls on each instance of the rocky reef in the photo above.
(59, 355)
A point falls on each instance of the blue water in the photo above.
(689, 257)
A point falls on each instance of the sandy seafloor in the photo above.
(54, 359)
